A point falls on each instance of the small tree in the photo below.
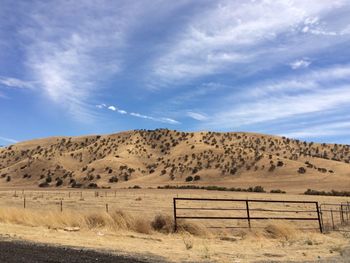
(301, 170)
(189, 179)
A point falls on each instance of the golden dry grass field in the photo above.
(127, 227)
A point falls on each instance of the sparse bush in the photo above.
(163, 224)
(301, 170)
(197, 178)
(189, 179)
(277, 191)
(44, 184)
(113, 179)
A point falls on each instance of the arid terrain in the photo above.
(151, 158)
(100, 192)
(129, 227)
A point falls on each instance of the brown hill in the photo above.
(159, 157)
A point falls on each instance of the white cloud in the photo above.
(8, 140)
(329, 129)
(138, 115)
(161, 119)
(319, 91)
(301, 63)
(112, 108)
(236, 33)
(122, 112)
(16, 83)
(197, 116)
(69, 51)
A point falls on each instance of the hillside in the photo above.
(158, 157)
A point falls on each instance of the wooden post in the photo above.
(341, 214)
(175, 222)
(332, 219)
(319, 217)
(107, 208)
(24, 202)
(248, 215)
(61, 205)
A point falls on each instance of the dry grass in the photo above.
(281, 230)
(114, 221)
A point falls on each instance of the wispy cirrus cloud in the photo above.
(16, 83)
(197, 116)
(301, 63)
(8, 139)
(324, 130)
(233, 34)
(319, 91)
(138, 115)
(68, 52)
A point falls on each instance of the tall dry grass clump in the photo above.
(281, 230)
(165, 224)
(113, 221)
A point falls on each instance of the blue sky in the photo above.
(86, 67)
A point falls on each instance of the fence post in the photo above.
(319, 217)
(61, 205)
(24, 202)
(248, 215)
(107, 208)
(341, 214)
(332, 219)
(175, 222)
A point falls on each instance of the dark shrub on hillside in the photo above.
(44, 184)
(189, 179)
(113, 179)
(197, 178)
(277, 191)
(331, 193)
(301, 170)
(59, 182)
(92, 185)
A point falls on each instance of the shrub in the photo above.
(301, 170)
(331, 193)
(59, 182)
(92, 185)
(44, 184)
(259, 189)
(113, 179)
(162, 223)
(277, 191)
(189, 179)
(197, 178)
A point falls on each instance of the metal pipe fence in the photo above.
(246, 210)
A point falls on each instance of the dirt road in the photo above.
(23, 252)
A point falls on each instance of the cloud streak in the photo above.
(138, 115)
(8, 140)
(16, 83)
